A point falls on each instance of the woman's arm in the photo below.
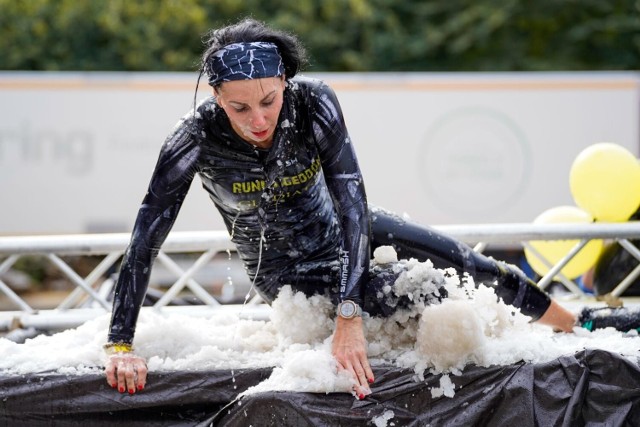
(168, 187)
(345, 183)
(344, 180)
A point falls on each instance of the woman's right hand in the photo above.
(126, 371)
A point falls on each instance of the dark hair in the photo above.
(249, 30)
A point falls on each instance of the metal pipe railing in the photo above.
(188, 241)
(100, 244)
(209, 243)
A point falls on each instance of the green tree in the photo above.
(100, 35)
(341, 35)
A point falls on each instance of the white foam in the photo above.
(470, 326)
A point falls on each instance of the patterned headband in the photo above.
(244, 61)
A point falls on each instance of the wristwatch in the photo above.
(348, 309)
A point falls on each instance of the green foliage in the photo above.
(34, 266)
(341, 35)
(100, 35)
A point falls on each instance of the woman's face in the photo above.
(253, 107)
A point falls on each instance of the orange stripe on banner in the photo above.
(487, 86)
(338, 84)
(85, 85)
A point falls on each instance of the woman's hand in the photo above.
(350, 350)
(126, 371)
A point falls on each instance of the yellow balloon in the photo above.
(605, 181)
(554, 250)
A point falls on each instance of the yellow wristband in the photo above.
(117, 347)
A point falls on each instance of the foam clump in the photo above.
(307, 370)
(447, 388)
(450, 335)
(383, 420)
(385, 255)
(299, 319)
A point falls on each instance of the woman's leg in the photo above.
(412, 240)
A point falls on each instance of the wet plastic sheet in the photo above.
(592, 387)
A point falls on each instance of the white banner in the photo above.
(77, 149)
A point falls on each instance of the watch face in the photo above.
(347, 309)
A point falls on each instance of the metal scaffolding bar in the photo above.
(185, 278)
(74, 297)
(4, 288)
(209, 243)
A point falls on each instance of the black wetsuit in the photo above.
(303, 198)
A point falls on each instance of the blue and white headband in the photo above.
(244, 61)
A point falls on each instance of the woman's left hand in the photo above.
(350, 350)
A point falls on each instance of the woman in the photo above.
(273, 152)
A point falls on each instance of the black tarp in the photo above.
(593, 387)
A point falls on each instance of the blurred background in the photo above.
(461, 111)
(341, 35)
